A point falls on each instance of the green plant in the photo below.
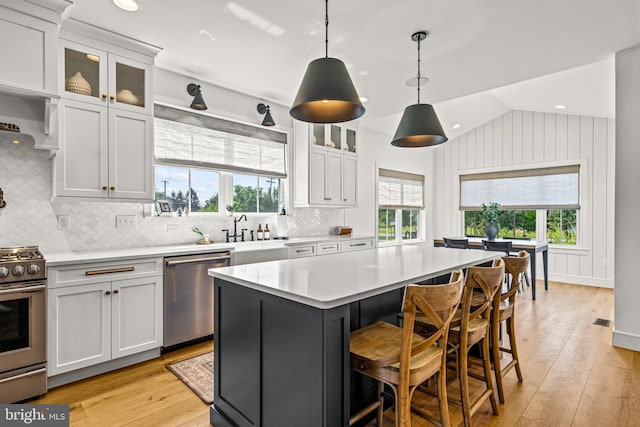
(490, 213)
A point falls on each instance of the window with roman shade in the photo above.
(189, 139)
(400, 190)
(541, 188)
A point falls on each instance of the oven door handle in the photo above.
(193, 260)
(22, 290)
(25, 375)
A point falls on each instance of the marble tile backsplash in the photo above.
(30, 217)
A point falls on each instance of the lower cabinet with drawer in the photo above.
(356, 245)
(299, 251)
(100, 312)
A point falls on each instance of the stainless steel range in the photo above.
(23, 367)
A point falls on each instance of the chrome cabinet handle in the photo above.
(357, 244)
(299, 251)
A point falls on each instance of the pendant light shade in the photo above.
(327, 93)
(419, 125)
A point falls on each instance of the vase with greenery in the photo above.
(490, 214)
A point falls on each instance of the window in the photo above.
(184, 187)
(255, 193)
(204, 163)
(400, 203)
(545, 196)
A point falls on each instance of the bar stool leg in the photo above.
(511, 331)
(381, 400)
(495, 356)
(487, 374)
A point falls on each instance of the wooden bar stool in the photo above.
(505, 246)
(403, 359)
(503, 309)
(470, 326)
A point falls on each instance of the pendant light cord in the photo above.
(418, 70)
(326, 28)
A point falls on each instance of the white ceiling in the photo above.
(475, 54)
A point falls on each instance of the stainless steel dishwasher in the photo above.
(188, 296)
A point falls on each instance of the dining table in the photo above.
(533, 247)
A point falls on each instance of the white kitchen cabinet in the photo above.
(105, 116)
(356, 245)
(104, 153)
(92, 319)
(325, 165)
(29, 34)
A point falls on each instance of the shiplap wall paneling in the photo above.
(586, 152)
(523, 137)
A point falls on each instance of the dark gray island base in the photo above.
(283, 360)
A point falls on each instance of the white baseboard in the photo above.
(626, 340)
(578, 280)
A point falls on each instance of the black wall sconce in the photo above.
(198, 103)
(268, 120)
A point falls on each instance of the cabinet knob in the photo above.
(115, 291)
(113, 188)
(113, 98)
(104, 187)
(344, 200)
(327, 198)
(104, 96)
(107, 292)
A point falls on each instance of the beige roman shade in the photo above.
(188, 139)
(541, 188)
(400, 190)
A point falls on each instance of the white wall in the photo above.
(375, 151)
(520, 138)
(627, 201)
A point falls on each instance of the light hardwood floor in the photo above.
(572, 375)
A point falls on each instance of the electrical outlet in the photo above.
(63, 222)
(171, 228)
(126, 221)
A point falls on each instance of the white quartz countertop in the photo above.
(71, 257)
(332, 280)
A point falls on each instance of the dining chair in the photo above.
(503, 310)
(505, 246)
(470, 326)
(402, 359)
(450, 242)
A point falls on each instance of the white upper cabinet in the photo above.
(105, 115)
(324, 165)
(102, 78)
(28, 42)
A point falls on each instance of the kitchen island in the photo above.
(282, 330)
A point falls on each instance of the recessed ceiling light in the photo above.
(560, 107)
(456, 126)
(128, 5)
(363, 99)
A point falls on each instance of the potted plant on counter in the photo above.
(490, 214)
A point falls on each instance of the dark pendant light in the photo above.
(419, 125)
(268, 120)
(198, 102)
(326, 94)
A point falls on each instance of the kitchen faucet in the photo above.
(235, 229)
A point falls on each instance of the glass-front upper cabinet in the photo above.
(334, 136)
(103, 78)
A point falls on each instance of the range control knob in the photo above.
(33, 269)
(4, 271)
(18, 270)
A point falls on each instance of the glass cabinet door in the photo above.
(336, 137)
(350, 141)
(318, 135)
(84, 74)
(128, 83)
